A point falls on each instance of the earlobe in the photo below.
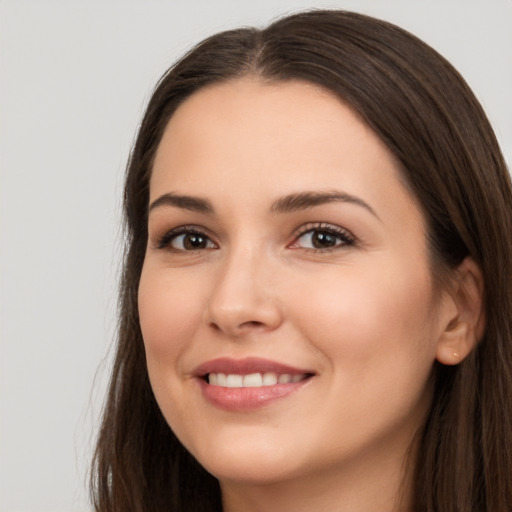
(465, 325)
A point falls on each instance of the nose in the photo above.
(243, 300)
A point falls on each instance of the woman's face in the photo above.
(286, 299)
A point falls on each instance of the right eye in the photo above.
(185, 239)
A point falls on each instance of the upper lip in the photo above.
(246, 366)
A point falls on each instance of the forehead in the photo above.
(252, 107)
(251, 142)
(285, 125)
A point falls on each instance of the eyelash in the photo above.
(346, 237)
(166, 240)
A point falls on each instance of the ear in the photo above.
(464, 321)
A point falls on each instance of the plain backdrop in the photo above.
(74, 79)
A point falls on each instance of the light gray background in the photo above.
(74, 77)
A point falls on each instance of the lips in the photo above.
(251, 383)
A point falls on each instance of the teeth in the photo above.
(252, 380)
(269, 379)
(234, 381)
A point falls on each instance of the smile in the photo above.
(253, 380)
(248, 384)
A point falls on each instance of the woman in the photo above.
(315, 306)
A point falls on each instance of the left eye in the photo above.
(323, 239)
(191, 242)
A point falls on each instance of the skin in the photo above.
(362, 315)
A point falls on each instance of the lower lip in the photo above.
(247, 399)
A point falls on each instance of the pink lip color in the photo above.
(245, 367)
(246, 399)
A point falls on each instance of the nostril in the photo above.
(252, 323)
(244, 326)
(239, 318)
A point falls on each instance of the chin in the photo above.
(247, 460)
(251, 472)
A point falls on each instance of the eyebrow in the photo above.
(286, 204)
(305, 200)
(195, 204)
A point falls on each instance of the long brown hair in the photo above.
(430, 120)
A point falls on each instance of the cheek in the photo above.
(170, 311)
(363, 318)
